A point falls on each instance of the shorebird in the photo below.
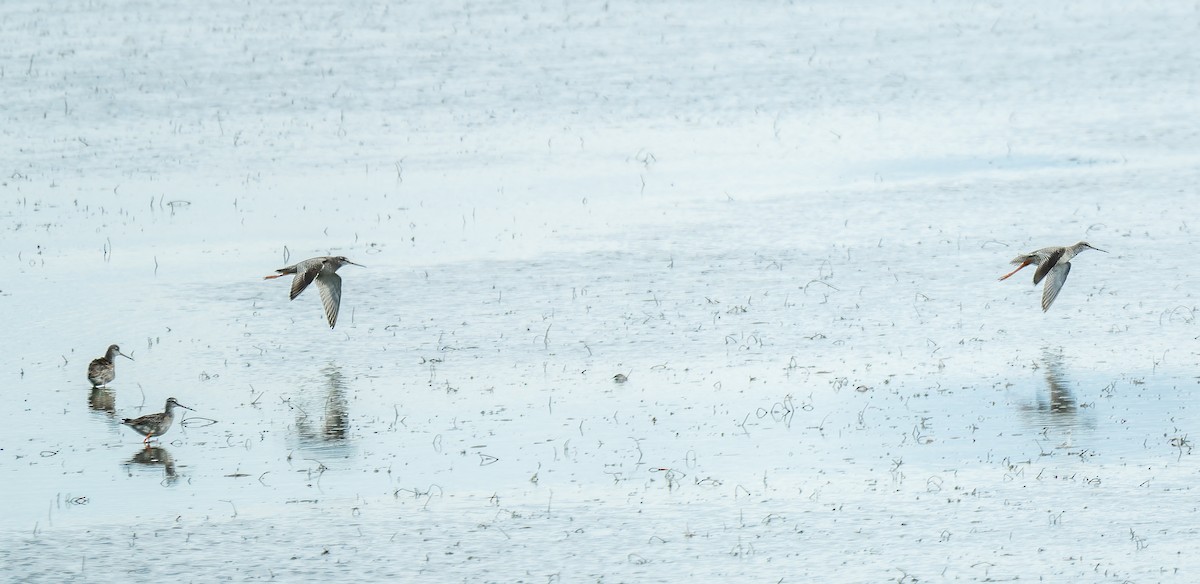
(322, 269)
(1051, 261)
(103, 370)
(154, 425)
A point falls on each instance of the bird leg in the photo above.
(147, 440)
(273, 277)
(1006, 276)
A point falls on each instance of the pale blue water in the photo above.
(784, 224)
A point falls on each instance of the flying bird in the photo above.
(1054, 262)
(324, 271)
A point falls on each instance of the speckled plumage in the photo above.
(155, 425)
(1054, 261)
(322, 270)
(103, 370)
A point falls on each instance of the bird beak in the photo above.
(183, 406)
(352, 263)
(125, 356)
(1097, 249)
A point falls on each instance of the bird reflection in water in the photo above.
(1056, 406)
(155, 456)
(104, 400)
(333, 427)
(1061, 400)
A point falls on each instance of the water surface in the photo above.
(782, 224)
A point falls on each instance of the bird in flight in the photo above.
(322, 270)
(1054, 263)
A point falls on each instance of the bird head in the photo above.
(171, 402)
(339, 261)
(114, 350)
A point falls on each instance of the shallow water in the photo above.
(782, 224)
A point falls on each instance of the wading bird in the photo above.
(155, 425)
(103, 370)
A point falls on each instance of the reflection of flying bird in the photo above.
(1054, 262)
(104, 369)
(323, 270)
(155, 425)
(1061, 399)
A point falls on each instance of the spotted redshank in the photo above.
(1054, 262)
(103, 370)
(155, 425)
(322, 269)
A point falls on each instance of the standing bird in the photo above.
(103, 370)
(322, 269)
(154, 425)
(1051, 261)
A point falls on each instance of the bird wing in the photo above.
(303, 279)
(1058, 276)
(330, 286)
(141, 422)
(1047, 265)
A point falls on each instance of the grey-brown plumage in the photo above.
(103, 370)
(1054, 262)
(322, 270)
(155, 425)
